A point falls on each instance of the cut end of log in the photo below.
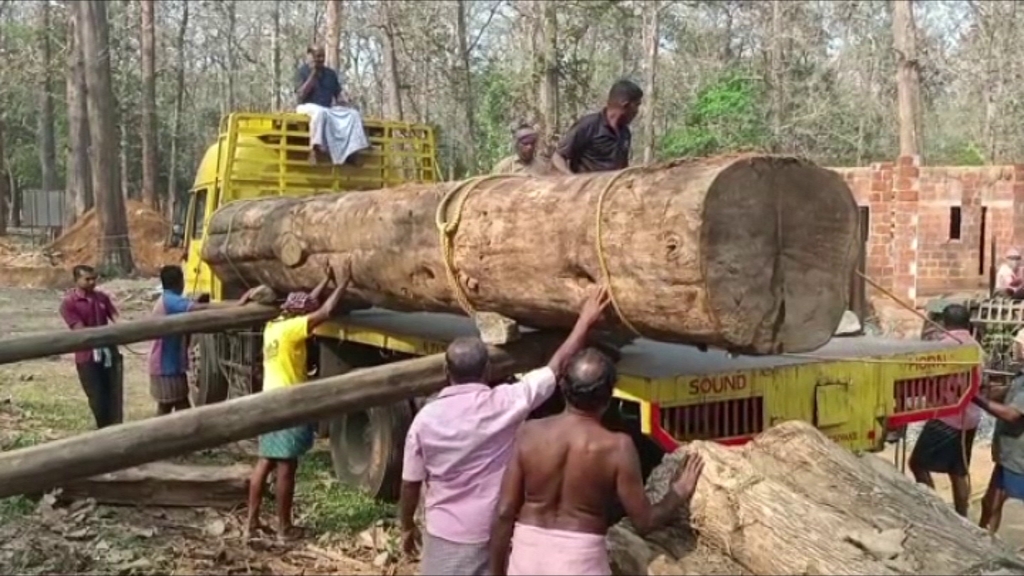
(795, 283)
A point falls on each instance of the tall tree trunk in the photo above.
(179, 98)
(149, 138)
(5, 191)
(275, 48)
(468, 101)
(392, 83)
(229, 46)
(776, 69)
(652, 35)
(122, 104)
(47, 145)
(908, 78)
(332, 37)
(78, 179)
(114, 247)
(548, 95)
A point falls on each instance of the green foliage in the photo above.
(327, 506)
(493, 117)
(725, 115)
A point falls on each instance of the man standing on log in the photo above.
(100, 371)
(945, 444)
(460, 443)
(284, 365)
(564, 471)
(600, 141)
(525, 160)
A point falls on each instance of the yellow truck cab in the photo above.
(856, 389)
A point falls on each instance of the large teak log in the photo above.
(752, 254)
(40, 468)
(214, 320)
(794, 502)
(165, 484)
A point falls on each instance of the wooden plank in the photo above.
(165, 484)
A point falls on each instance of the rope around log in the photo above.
(606, 276)
(446, 230)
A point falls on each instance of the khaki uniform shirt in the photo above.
(514, 165)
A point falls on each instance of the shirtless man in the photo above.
(564, 471)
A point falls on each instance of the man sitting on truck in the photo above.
(564, 470)
(284, 365)
(460, 443)
(945, 444)
(334, 127)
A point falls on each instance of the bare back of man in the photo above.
(566, 469)
(570, 464)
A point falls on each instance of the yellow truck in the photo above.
(855, 389)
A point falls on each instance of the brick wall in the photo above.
(914, 246)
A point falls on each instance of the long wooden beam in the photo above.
(61, 342)
(40, 468)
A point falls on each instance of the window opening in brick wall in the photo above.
(982, 240)
(864, 217)
(954, 223)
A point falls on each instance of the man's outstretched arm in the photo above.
(327, 308)
(594, 305)
(630, 487)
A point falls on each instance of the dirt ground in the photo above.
(41, 400)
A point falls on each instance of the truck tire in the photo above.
(367, 448)
(210, 384)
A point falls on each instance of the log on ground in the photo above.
(794, 502)
(61, 342)
(166, 484)
(46, 466)
(752, 254)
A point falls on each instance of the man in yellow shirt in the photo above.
(526, 159)
(284, 365)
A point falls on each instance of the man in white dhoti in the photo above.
(334, 127)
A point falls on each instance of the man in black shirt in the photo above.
(600, 141)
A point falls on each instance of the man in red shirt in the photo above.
(99, 370)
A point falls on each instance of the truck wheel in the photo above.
(210, 384)
(366, 448)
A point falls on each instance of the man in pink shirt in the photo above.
(946, 443)
(460, 444)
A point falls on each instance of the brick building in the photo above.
(929, 229)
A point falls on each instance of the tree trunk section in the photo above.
(5, 192)
(548, 96)
(41, 468)
(77, 173)
(332, 38)
(47, 143)
(275, 49)
(150, 167)
(794, 502)
(748, 253)
(392, 82)
(908, 77)
(114, 247)
(166, 484)
(179, 99)
(652, 35)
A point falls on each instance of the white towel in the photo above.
(338, 129)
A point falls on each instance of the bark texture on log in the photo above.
(750, 253)
(794, 502)
(46, 466)
(166, 484)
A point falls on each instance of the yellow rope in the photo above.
(446, 230)
(599, 241)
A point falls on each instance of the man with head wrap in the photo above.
(1008, 277)
(562, 473)
(284, 365)
(525, 160)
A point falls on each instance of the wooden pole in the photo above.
(213, 320)
(44, 467)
